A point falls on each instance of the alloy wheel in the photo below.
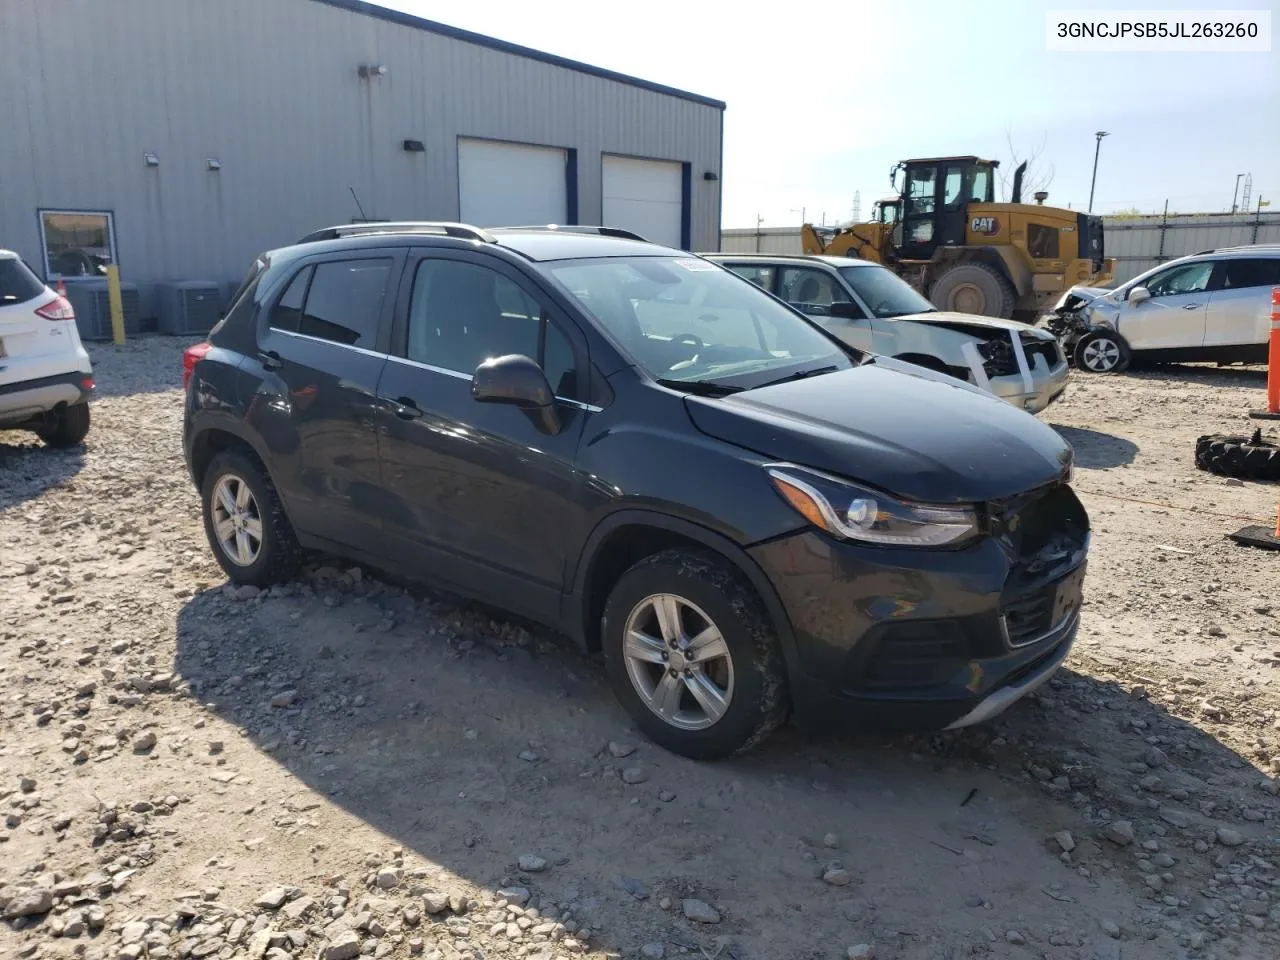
(237, 520)
(678, 661)
(1101, 355)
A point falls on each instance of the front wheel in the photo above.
(1102, 353)
(691, 655)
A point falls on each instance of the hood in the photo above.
(1079, 295)
(975, 324)
(911, 432)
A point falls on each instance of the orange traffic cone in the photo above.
(61, 288)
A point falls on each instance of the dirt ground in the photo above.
(344, 767)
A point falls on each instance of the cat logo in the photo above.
(988, 226)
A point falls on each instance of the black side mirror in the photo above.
(517, 380)
(847, 310)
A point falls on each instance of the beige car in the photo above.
(872, 309)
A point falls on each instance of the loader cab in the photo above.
(936, 194)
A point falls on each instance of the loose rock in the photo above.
(699, 911)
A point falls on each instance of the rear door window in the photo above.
(344, 301)
(1251, 272)
(287, 313)
(761, 276)
(17, 283)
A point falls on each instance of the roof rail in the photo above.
(461, 231)
(584, 228)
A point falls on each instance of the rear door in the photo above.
(1240, 309)
(1174, 317)
(322, 344)
(31, 347)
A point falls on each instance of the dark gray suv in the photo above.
(644, 451)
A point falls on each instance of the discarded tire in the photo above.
(1247, 458)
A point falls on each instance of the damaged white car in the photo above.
(872, 309)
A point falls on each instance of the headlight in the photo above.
(851, 512)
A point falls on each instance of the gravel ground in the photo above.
(344, 767)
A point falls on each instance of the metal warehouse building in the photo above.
(179, 138)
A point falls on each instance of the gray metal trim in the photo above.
(459, 375)
(514, 49)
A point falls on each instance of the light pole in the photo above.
(1096, 150)
(1235, 193)
(801, 211)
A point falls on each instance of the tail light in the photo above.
(59, 309)
(190, 357)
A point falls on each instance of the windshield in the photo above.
(686, 320)
(884, 292)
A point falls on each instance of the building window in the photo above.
(77, 243)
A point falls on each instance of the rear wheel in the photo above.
(974, 288)
(692, 657)
(68, 427)
(251, 537)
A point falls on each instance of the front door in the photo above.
(920, 208)
(1174, 316)
(316, 405)
(812, 292)
(481, 495)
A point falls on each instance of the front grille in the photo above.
(1041, 532)
(1047, 349)
(1030, 618)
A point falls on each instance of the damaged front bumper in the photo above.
(1028, 372)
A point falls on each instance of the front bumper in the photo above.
(909, 641)
(1047, 385)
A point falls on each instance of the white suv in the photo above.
(1213, 306)
(45, 375)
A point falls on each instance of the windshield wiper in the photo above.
(702, 388)
(799, 375)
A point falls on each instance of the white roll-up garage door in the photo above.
(511, 184)
(645, 196)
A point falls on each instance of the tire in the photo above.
(68, 429)
(974, 287)
(277, 554)
(1102, 353)
(1247, 458)
(753, 688)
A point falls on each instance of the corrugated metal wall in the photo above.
(1137, 243)
(1140, 243)
(270, 89)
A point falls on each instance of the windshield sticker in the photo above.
(696, 265)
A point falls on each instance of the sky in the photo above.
(824, 98)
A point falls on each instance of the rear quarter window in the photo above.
(17, 283)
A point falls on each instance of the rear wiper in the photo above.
(702, 388)
(800, 375)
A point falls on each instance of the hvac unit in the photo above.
(229, 288)
(92, 305)
(187, 307)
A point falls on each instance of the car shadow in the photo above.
(1096, 449)
(28, 468)
(1207, 374)
(468, 740)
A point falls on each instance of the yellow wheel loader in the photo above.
(945, 234)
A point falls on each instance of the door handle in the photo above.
(270, 360)
(405, 409)
(1191, 306)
